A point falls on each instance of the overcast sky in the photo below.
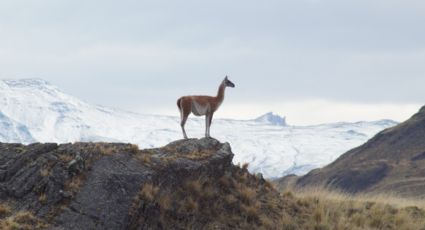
(312, 60)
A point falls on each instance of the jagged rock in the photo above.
(76, 165)
(100, 185)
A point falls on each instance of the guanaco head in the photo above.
(228, 83)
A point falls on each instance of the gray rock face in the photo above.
(104, 199)
(94, 185)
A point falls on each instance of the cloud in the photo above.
(357, 52)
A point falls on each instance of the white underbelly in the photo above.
(199, 110)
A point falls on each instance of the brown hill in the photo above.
(392, 162)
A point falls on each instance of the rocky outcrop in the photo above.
(118, 186)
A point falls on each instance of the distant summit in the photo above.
(272, 119)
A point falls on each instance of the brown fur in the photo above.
(202, 105)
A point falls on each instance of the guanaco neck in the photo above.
(220, 94)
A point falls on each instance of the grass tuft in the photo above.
(4, 209)
(42, 198)
(22, 220)
(44, 172)
(148, 192)
(134, 148)
(75, 183)
(66, 157)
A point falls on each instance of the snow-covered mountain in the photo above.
(34, 110)
(272, 119)
(13, 131)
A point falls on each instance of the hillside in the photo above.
(391, 162)
(33, 110)
(187, 184)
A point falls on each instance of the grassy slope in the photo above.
(322, 209)
(237, 200)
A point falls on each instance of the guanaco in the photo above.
(202, 105)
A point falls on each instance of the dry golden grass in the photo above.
(236, 200)
(66, 157)
(194, 187)
(266, 222)
(75, 183)
(194, 155)
(22, 220)
(44, 172)
(104, 149)
(108, 149)
(9, 224)
(208, 191)
(247, 194)
(148, 192)
(4, 209)
(134, 148)
(225, 182)
(318, 208)
(188, 206)
(145, 158)
(245, 166)
(388, 198)
(42, 198)
(165, 202)
(251, 211)
(230, 199)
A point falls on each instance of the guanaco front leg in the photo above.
(207, 125)
(208, 120)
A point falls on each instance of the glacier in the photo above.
(33, 110)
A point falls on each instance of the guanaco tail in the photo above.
(202, 105)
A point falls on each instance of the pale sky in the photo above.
(313, 61)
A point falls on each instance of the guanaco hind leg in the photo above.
(185, 107)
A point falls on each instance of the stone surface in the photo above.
(94, 185)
